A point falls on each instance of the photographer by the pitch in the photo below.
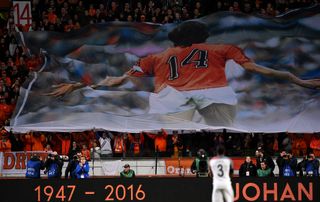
(200, 164)
(34, 166)
(54, 165)
(287, 164)
(309, 166)
(72, 165)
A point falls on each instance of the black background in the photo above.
(156, 189)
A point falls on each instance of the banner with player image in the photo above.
(227, 70)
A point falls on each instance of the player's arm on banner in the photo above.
(66, 88)
(253, 67)
(111, 81)
(138, 70)
(142, 68)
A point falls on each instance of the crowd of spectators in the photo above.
(14, 69)
(287, 163)
(68, 15)
(105, 144)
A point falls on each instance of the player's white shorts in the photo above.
(222, 194)
(216, 105)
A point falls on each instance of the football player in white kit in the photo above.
(221, 169)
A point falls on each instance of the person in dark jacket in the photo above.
(82, 169)
(53, 165)
(34, 166)
(248, 169)
(74, 149)
(262, 157)
(16, 142)
(72, 165)
(311, 166)
(287, 164)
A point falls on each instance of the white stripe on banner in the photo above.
(29, 88)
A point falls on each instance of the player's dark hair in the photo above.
(220, 149)
(188, 33)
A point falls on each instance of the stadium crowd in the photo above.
(104, 144)
(64, 16)
(164, 144)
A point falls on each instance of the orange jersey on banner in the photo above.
(199, 66)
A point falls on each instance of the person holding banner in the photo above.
(5, 144)
(160, 142)
(105, 143)
(190, 77)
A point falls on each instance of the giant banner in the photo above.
(227, 70)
